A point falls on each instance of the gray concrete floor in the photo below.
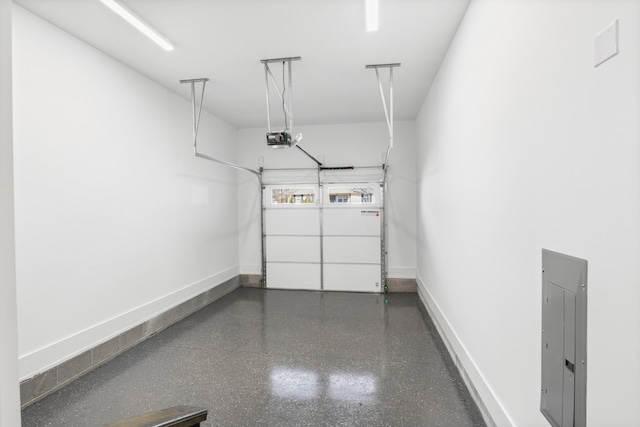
(280, 358)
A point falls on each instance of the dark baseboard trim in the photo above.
(394, 284)
(250, 280)
(453, 361)
(53, 379)
(401, 285)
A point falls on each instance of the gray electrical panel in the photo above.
(564, 339)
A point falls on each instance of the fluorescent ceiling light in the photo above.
(371, 8)
(137, 22)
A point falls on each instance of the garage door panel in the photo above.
(351, 249)
(351, 222)
(292, 221)
(352, 277)
(293, 249)
(293, 276)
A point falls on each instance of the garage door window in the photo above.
(351, 195)
(292, 196)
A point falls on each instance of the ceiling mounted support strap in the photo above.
(197, 111)
(288, 109)
(388, 114)
(283, 138)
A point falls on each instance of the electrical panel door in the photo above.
(564, 339)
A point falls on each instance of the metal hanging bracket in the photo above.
(285, 59)
(283, 138)
(197, 110)
(388, 114)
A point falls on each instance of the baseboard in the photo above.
(395, 285)
(490, 406)
(59, 375)
(251, 280)
(396, 272)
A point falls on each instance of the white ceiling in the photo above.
(224, 40)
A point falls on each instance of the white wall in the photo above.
(116, 220)
(524, 145)
(9, 393)
(359, 144)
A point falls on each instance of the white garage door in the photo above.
(324, 237)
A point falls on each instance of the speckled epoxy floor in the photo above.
(280, 358)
